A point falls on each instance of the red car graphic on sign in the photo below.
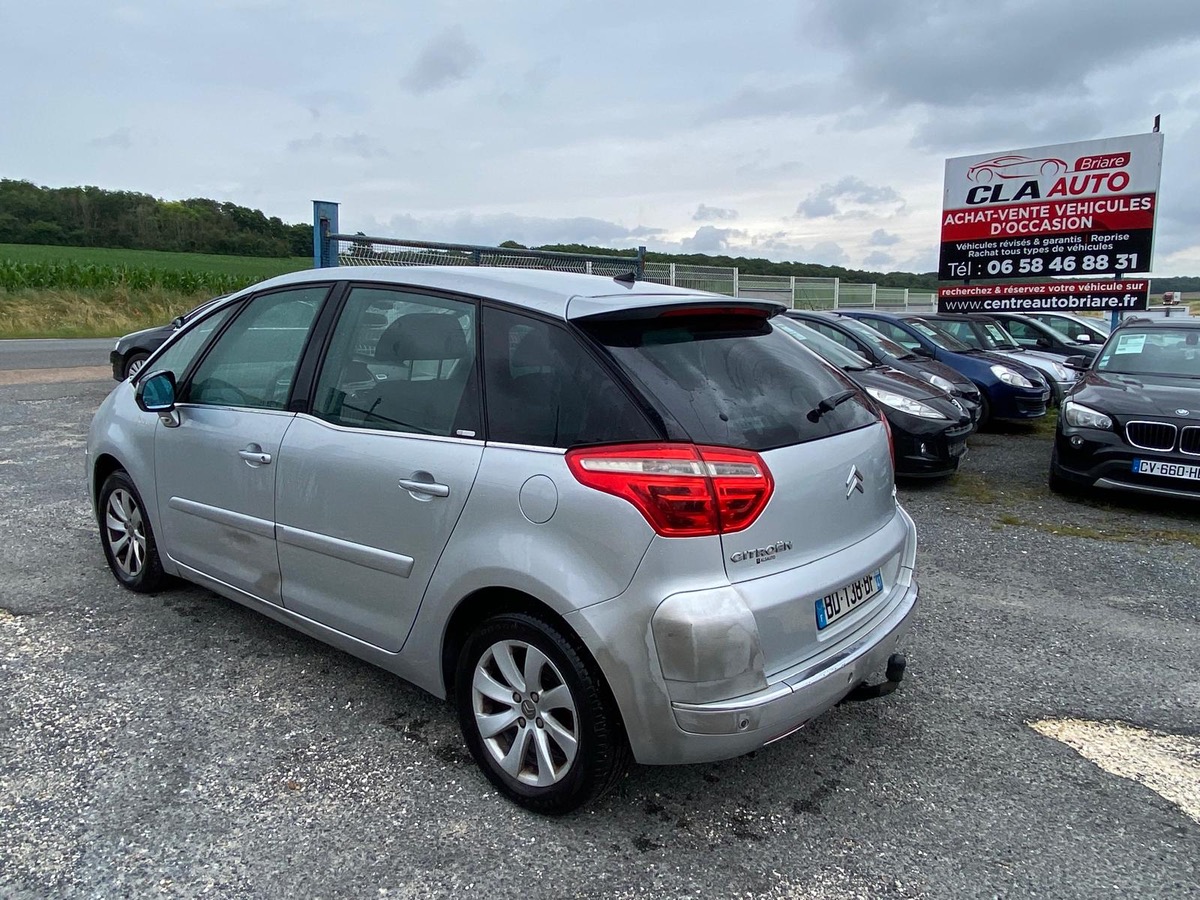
(1015, 166)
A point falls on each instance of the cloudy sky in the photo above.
(807, 131)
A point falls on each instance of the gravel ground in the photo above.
(181, 745)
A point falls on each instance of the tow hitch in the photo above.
(894, 675)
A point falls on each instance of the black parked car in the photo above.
(929, 427)
(864, 340)
(1132, 421)
(1034, 335)
(132, 350)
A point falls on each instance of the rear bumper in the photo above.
(690, 671)
(732, 727)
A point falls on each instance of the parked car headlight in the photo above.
(1008, 376)
(905, 404)
(939, 382)
(1079, 416)
(1062, 373)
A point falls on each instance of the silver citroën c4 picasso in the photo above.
(611, 520)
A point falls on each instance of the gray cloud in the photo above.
(121, 139)
(882, 238)
(445, 60)
(800, 99)
(705, 213)
(945, 53)
(877, 259)
(830, 199)
(710, 239)
(357, 145)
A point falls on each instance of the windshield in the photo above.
(1134, 351)
(830, 350)
(939, 337)
(882, 341)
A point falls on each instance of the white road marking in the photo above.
(1168, 764)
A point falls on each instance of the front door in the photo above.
(215, 468)
(372, 483)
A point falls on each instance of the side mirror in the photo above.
(923, 351)
(157, 392)
(1043, 342)
(1083, 337)
(1078, 363)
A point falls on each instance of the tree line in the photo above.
(94, 217)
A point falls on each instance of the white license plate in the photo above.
(1166, 469)
(846, 599)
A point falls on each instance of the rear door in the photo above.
(374, 480)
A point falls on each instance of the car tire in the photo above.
(549, 750)
(127, 537)
(985, 410)
(134, 363)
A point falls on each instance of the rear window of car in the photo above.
(733, 380)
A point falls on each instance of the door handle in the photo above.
(430, 488)
(254, 456)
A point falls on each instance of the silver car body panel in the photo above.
(706, 657)
(356, 546)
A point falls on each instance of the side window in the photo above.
(179, 354)
(544, 389)
(896, 333)
(402, 361)
(252, 364)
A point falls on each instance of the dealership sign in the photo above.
(1083, 209)
(1103, 295)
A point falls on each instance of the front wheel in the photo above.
(537, 716)
(127, 537)
(134, 364)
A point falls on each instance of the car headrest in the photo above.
(422, 336)
(535, 350)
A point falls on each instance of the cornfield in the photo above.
(65, 275)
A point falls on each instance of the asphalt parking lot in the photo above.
(180, 745)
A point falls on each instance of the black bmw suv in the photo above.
(1132, 421)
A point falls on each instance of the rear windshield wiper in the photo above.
(829, 404)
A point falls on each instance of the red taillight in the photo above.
(683, 490)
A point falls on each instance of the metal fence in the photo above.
(803, 292)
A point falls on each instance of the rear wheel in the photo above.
(537, 715)
(127, 537)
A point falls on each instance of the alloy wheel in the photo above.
(124, 529)
(525, 713)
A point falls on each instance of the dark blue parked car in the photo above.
(1009, 389)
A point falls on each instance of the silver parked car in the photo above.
(610, 520)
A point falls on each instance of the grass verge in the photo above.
(1113, 532)
(104, 312)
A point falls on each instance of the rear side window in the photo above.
(735, 381)
(544, 388)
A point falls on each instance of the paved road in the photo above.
(179, 744)
(55, 354)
